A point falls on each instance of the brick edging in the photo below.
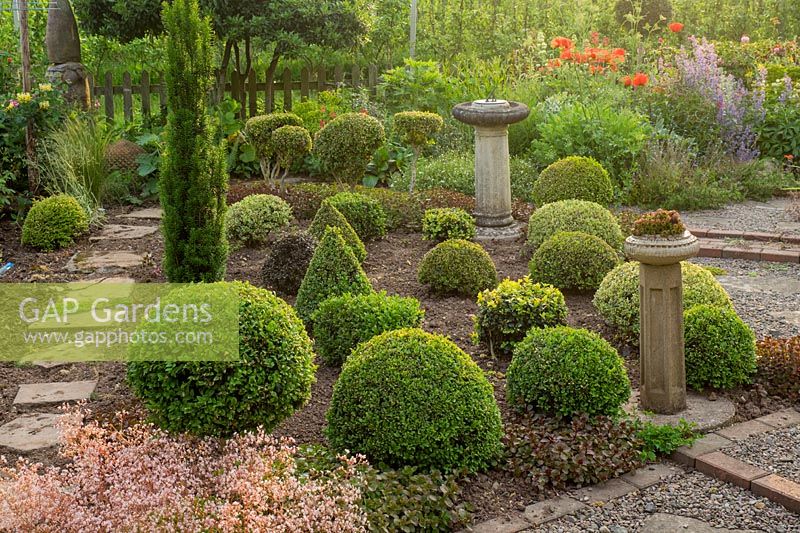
(785, 237)
(723, 250)
(706, 457)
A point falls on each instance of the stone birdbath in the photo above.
(663, 370)
(491, 118)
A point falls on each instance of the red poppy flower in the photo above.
(595, 38)
(675, 27)
(561, 42)
(640, 79)
(627, 81)
(789, 157)
(566, 55)
(618, 52)
(554, 63)
(596, 69)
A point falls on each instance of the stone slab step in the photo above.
(104, 261)
(122, 231)
(150, 213)
(55, 392)
(30, 432)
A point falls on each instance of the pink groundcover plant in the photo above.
(125, 478)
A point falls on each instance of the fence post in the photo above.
(287, 90)
(373, 79)
(321, 79)
(162, 94)
(269, 93)
(127, 97)
(252, 99)
(108, 92)
(338, 75)
(356, 77)
(144, 90)
(304, 79)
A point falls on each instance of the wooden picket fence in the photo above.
(148, 95)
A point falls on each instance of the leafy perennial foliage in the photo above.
(505, 314)
(408, 397)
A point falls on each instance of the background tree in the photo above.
(193, 178)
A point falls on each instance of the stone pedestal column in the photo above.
(64, 52)
(492, 177)
(663, 371)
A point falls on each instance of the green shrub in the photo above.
(662, 440)
(415, 129)
(455, 171)
(343, 322)
(251, 220)
(506, 313)
(345, 145)
(613, 136)
(566, 371)
(362, 212)
(572, 260)
(457, 266)
(557, 453)
(287, 261)
(54, 223)
(446, 223)
(617, 298)
(574, 215)
(192, 177)
(271, 379)
(259, 132)
(779, 366)
(328, 215)
(720, 348)
(652, 12)
(573, 178)
(334, 270)
(408, 397)
(291, 144)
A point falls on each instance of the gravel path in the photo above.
(777, 451)
(693, 495)
(766, 295)
(772, 217)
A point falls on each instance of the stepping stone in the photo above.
(104, 261)
(151, 213)
(670, 523)
(30, 432)
(122, 231)
(49, 364)
(56, 392)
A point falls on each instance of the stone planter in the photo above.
(663, 370)
(657, 250)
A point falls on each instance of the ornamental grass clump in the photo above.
(345, 145)
(270, 380)
(334, 270)
(572, 260)
(617, 298)
(343, 322)
(327, 215)
(457, 267)
(251, 220)
(444, 223)
(411, 398)
(505, 314)
(363, 212)
(134, 477)
(661, 223)
(574, 215)
(54, 223)
(566, 371)
(720, 348)
(574, 178)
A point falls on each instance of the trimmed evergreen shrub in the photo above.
(259, 131)
(287, 261)
(617, 298)
(415, 129)
(271, 379)
(334, 270)
(54, 223)
(572, 260)
(343, 322)
(444, 223)
(251, 220)
(193, 178)
(365, 214)
(720, 348)
(328, 215)
(574, 215)
(457, 266)
(291, 144)
(410, 398)
(573, 178)
(345, 145)
(506, 313)
(566, 371)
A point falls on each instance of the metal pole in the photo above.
(412, 33)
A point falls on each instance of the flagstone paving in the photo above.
(56, 392)
(30, 432)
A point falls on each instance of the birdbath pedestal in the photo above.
(491, 119)
(663, 369)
